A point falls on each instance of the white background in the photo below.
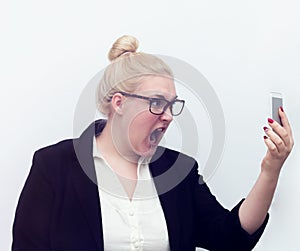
(51, 49)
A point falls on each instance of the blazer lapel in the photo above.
(85, 182)
(168, 198)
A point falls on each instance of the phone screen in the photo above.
(276, 102)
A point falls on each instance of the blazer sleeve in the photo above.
(219, 229)
(32, 217)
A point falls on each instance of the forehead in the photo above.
(157, 85)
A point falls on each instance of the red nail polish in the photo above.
(265, 137)
(270, 120)
(265, 128)
(281, 109)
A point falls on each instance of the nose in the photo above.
(167, 115)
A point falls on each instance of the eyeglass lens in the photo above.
(159, 106)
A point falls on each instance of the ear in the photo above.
(117, 102)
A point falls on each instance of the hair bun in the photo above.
(123, 44)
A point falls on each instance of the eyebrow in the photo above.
(163, 97)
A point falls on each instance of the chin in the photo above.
(147, 153)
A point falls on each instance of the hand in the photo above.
(279, 141)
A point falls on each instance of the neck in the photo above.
(112, 145)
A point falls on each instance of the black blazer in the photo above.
(59, 207)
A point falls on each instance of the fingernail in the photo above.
(265, 137)
(270, 120)
(265, 128)
(281, 109)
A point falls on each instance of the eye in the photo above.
(158, 103)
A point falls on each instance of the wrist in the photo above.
(271, 167)
(270, 174)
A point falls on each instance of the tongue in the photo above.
(154, 136)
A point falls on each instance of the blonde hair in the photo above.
(126, 70)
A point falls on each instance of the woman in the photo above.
(114, 188)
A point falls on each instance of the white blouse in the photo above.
(137, 224)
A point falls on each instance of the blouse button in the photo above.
(136, 244)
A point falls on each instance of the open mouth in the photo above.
(156, 136)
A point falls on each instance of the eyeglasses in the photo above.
(158, 106)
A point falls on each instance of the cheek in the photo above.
(140, 127)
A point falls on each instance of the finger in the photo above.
(271, 146)
(275, 139)
(282, 132)
(284, 120)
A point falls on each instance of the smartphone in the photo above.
(276, 102)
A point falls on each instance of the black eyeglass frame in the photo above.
(151, 100)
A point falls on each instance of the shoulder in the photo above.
(166, 159)
(172, 155)
(54, 158)
(63, 148)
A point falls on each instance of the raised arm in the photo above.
(279, 142)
